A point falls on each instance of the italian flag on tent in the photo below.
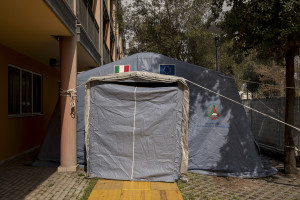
(121, 68)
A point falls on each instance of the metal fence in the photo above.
(268, 132)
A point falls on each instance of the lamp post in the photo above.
(217, 33)
(217, 53)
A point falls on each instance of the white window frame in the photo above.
(21, 114)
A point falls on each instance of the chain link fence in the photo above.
(269, 133)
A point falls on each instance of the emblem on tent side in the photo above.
(121, 68)
(213, 111)
(167, 69)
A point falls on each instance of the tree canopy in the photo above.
(173, 28)
(272, 29)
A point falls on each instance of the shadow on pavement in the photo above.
(18, 180)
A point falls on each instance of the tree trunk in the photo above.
(289, 150)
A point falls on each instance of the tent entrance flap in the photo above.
(134, 131)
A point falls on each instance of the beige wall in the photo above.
(21, 133)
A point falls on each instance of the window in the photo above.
(24, 92)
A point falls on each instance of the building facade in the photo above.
(43, 45)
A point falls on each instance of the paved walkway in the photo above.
(277, 187)
(134, 190)
(18, 181)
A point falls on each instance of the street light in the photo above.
(216, 32)
(217, 53)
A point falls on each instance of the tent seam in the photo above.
(133, 133)
(185, 112)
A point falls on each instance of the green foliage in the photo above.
(268, 79)
(271, 27)
(173, 28)
(119, 17)
(200, 48)
(244, 68)
(89, 189)
(260, 32)
(228, 60)
(255, 32)
(251, 75)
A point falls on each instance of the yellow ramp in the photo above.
(134, 190)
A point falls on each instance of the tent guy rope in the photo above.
(270, 109)
(298, 129)
(73, 94)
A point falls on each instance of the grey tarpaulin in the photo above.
(134, 130)
(218, 145)
(224, 146)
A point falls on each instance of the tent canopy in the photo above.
(136, 127)
(219, 135)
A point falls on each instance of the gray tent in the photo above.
(219, 136)
(136, 127)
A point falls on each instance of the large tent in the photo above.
(136, 127)
(220, 141)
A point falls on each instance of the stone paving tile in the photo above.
(276, 187)
(18, 181)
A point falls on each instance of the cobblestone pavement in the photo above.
(276, 187)
(18, 181)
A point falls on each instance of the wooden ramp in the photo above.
(134, 190)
